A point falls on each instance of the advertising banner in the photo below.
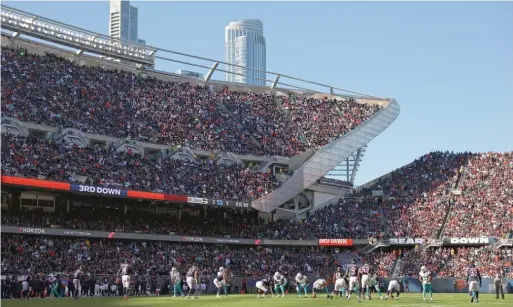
(290, 243)
(468, 241)
(406, 241)
(219, 202)
(98, 190)
(335, 242)
(54, 232)
(150, 237)
(115, 192)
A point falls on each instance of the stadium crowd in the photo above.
(36, 157)
(412, 259)
(26, 255)
(485, 207)
(417, 209)
(420, 194)
(229, 223)
(54, 91)
(348, 218)
(486, 258)
(382, 261)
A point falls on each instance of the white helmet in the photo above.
(299, 275)
(423, 268)
(221, 269)
(277, 274)
(173, 269)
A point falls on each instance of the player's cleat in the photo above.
(431, 298)
(125, 298)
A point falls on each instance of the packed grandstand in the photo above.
(419, 216)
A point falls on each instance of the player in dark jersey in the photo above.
(352, 272)
(125, 270)
(473, 279)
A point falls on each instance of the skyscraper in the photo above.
(244, 45)
(123, 21)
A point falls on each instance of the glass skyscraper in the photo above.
(123, 21)
(244, 45)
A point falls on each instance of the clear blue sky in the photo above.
(448, 64)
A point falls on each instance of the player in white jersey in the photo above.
(318, 286)
(425, 277)
(220, 281)
(192, 281)
(176, 281)
(364, 273)
(339, 282)
(302, 284)
(263, 286)
(280, 282)
(25, 289)
(125, 270)
(76, 282)
(393, 287)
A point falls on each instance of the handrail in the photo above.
(150, 51)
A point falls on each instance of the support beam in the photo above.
(286, 210)
(211, 71)
(356, 164)
(275, 82)
(347, 169)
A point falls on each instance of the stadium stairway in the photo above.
(369, 248)
(392, 270)
(223, 107)
(461, 175)
(331, 155)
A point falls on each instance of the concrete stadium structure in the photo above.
(88, 48)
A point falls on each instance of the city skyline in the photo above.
(245, 46)
(124, 21)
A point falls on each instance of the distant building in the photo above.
(189, 74)
(244, 45)
(123, 21)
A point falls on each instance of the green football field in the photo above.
(405, 300)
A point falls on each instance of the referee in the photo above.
(499, 279)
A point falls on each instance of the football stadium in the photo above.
(125, 185)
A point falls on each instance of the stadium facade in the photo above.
(244, 45)
(300, 190)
